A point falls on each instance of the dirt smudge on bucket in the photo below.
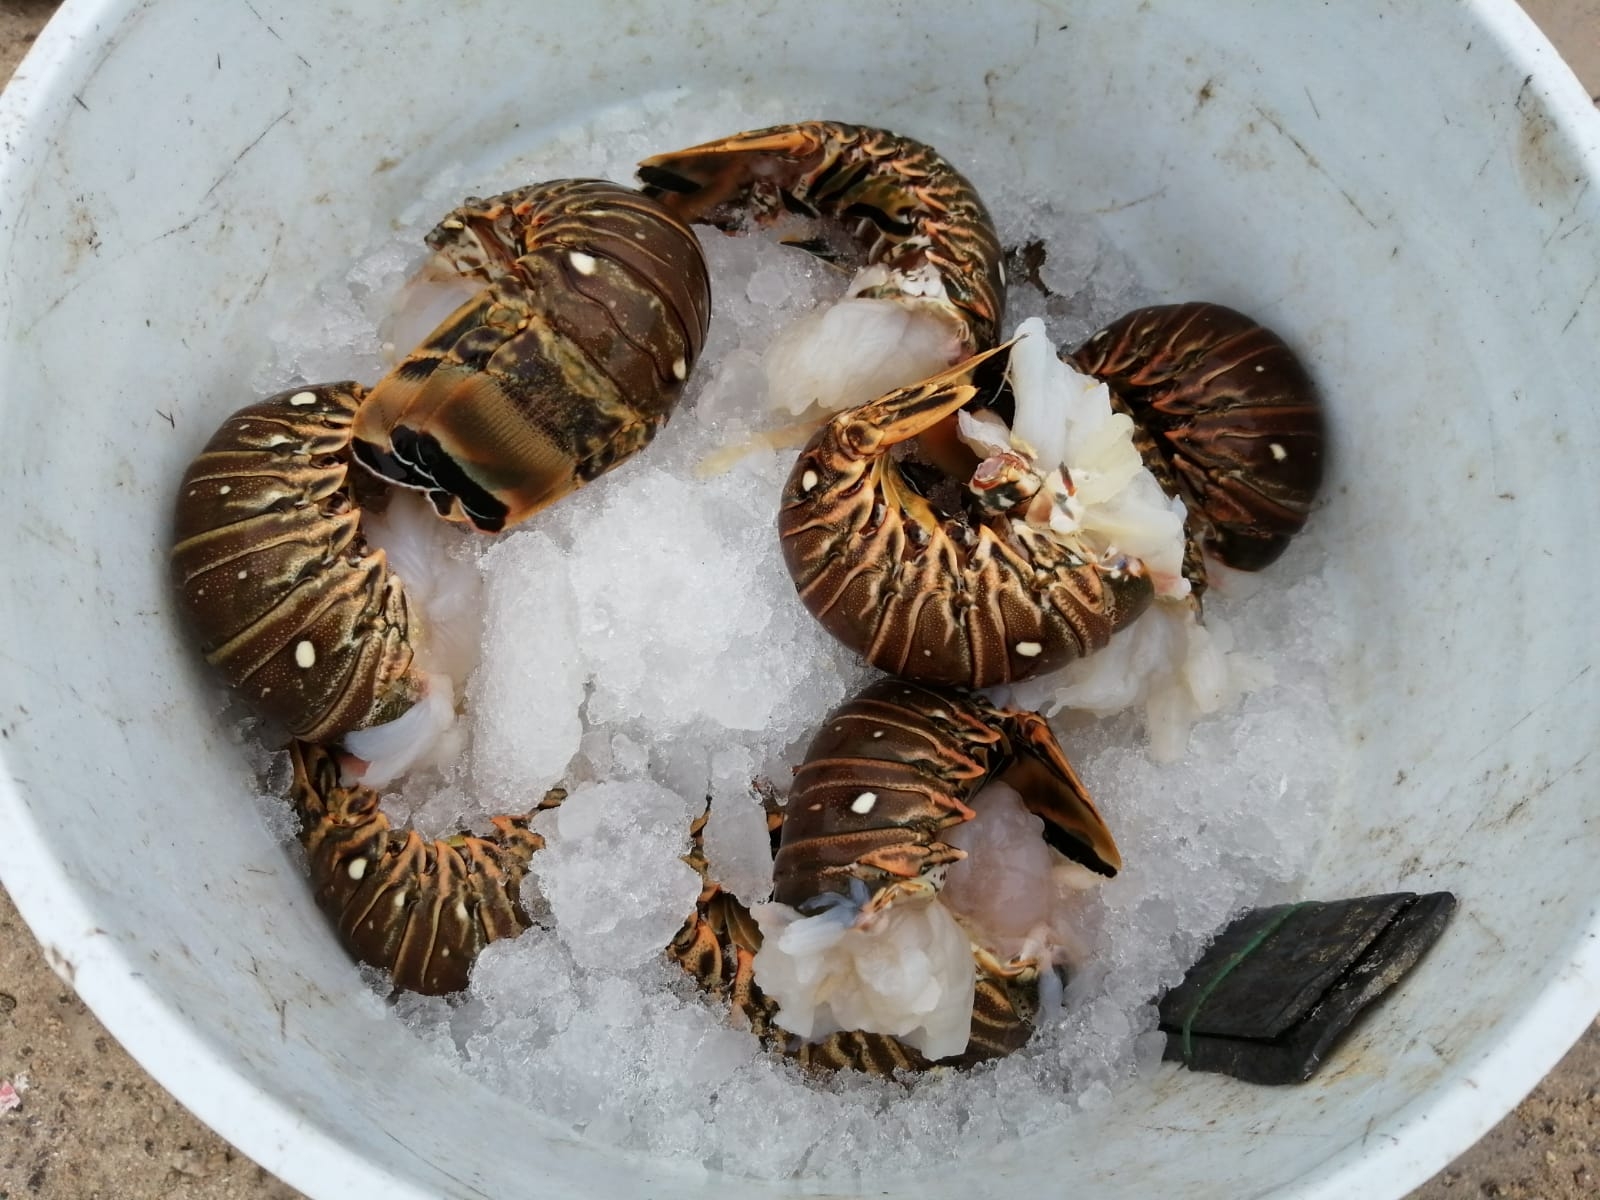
(1545, 162)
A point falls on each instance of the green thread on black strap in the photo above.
(1238, 957)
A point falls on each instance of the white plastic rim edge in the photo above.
(1419, 1142)
(273, 1135)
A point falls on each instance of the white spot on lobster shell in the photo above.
(302, 399)
(305, 655)
(584, 264)
(863, 803)
(357, 868)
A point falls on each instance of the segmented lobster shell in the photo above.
(421, 910)
(973, 600)
(594, 310)
(273, 578)
(1231, 411)
(717, 947)
(899, 199)
(921, 754)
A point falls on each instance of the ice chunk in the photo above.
(1149, 1049)
(686, 613)
(737, 845)
(734, 385)
(276, 813)
(769, 287)
(629, 759)
(328, 336)
(613, 874)
(524, 700)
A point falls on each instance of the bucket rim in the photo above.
(1409, 1148)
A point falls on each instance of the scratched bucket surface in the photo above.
(1403, 188)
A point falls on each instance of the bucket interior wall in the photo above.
(1384, 183)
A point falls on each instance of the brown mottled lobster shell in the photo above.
(900, 200)
(923, 754)
(421, 910)
(717, 947)
(594, 310)
(273, 578)
(1231, 412)
(967, 600)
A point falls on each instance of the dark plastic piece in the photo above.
(1281, 985)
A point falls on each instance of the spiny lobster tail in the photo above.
(595, 307)
(921, 754)
(420, 910)
(1232, 421)
(717, 947)
(273, 578)
(976, 599)
(900, 201)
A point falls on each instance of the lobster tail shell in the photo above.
(899, 763)
(1231, 411)
(273, 578)
(423, 911)
(941, 601)
(899, 200)
(595, 309)
(717, 947)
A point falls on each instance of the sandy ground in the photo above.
(93, 1126)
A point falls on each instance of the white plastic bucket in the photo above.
(1405, 186)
